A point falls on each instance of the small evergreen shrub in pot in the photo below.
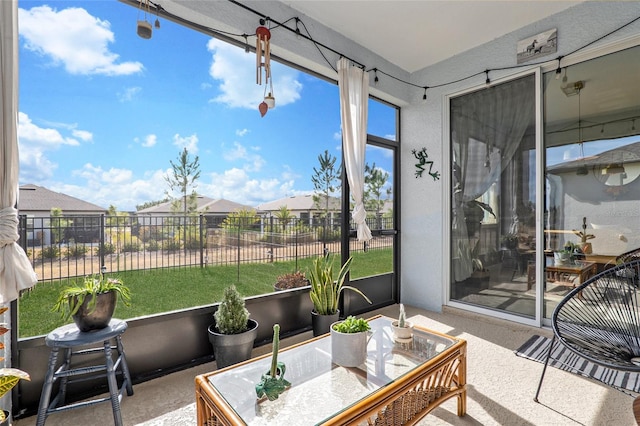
(233, 333)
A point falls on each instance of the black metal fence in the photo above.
(61, 247)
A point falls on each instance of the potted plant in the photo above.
(585, 245)
(92, 303)
(349, 341)
(273, 383)
(402, 329)
(292, 280)
(510, 241)
(325, 292)
(9, 377)
(569, 253)
(233, 333)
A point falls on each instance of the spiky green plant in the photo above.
(71, 298)
(232, 316)
(325, 292)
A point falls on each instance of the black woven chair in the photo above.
(600, 320)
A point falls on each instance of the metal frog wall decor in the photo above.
(423, 162)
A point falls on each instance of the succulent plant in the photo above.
(352, 324)
(325, 292)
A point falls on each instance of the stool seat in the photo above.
(68, 337)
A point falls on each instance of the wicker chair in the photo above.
(600, 320)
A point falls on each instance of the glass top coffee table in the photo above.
(404, 381)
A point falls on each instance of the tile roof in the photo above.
(34, 198)
(205, 204)
(300, 202)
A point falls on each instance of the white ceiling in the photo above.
(430, 30)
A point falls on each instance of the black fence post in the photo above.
(201, 242)
(103, 267)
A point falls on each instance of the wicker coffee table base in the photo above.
(404, 402)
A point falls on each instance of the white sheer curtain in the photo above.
(16, 272)
(354, 97)
(487, 127)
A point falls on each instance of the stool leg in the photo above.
(63, 380)
(46, 388)
(113, 384)
(125, 366)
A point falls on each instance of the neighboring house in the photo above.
(304, 207)
(214, 210)
(36, 203)
(580, 186)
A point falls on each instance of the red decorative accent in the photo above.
(263, 33)
(263, 107)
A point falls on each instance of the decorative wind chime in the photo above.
(144, 27)
(263, 62)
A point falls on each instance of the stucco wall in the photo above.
(425, 216)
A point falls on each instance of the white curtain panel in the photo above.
(16, 272)
(354, 96)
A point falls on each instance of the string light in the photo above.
(246, 43)
(318, 44)
(424, 96)
(375, 73)
(298, 34)
(558, 70)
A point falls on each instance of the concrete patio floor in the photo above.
(501, 385)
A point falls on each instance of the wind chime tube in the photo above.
(267, 61)
(258, 59)
(263, 49)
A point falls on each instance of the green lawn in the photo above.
(163, 290)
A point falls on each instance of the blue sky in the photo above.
(103, 111)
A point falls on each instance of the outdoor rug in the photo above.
(561, 357)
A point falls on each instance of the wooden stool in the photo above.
(69, 336)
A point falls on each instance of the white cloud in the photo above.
(149, 141)
(119, 187)
(253, 162)
(82, 134)
(242, 132)
(114, 187)
(73, 38)
(129, 94)
(237, 185)
(237, 72)
(34, 142)
(112, 176)
(189, 142)
(30, 134)
(238, 152)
